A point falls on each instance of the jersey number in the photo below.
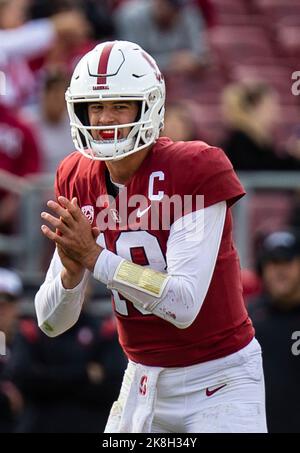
(142, 248)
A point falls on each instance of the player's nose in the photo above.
(106, 116)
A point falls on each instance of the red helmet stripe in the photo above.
(103, 63)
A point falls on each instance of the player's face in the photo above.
(110, 113)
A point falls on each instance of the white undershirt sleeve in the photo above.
(58, 308)
(30, 39)
(192, 252)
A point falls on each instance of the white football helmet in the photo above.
(116, 71)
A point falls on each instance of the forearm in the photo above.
(175, 296)
(58, 308)
(176, 303)
(32, 38)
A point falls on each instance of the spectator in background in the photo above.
(11, 401)
(50, 120)
(179, 124)
(100, 17)
(13, 13)
(67, 52)
(19, 156)
(276, 318)
(251, 112)
(172, 31)
(208, 11)
(20, 41)
(70, 382)
(98, 13)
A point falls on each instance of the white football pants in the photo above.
(225, 395)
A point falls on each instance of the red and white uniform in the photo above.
(222, 326)
(195, 348)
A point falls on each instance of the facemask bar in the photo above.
(137, 129)
(142, 134)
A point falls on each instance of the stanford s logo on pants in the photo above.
(143, 385)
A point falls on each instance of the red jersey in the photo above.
(19, 153)
(222, 326)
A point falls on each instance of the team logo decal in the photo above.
(143, 385)
(88, 211)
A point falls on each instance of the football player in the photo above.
(151, 219)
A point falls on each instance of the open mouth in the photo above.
(109, 134)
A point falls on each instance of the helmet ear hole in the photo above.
(82, 137)
(139, 113)
(162, 121)
(81, 111)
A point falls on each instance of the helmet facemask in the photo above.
(144, 130)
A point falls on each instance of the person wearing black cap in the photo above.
(68, 383)
(11, 400)
(276, 318)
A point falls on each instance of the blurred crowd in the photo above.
(62, 384)
(228, 66)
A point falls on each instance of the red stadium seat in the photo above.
(268, 211)
(279, 61)
(289, 20)
(230, 6)
(230, 19)
(240, 43)
(205, 87)
(278, 9)
(289, 40)
(209, 123)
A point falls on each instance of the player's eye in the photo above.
(96, 107)
(121, 106)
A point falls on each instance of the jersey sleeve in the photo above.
(202, 176)
(64, 184)
(212, 175)
(192, 252)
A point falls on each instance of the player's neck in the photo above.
(121, 171)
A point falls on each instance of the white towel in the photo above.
(133, 412)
